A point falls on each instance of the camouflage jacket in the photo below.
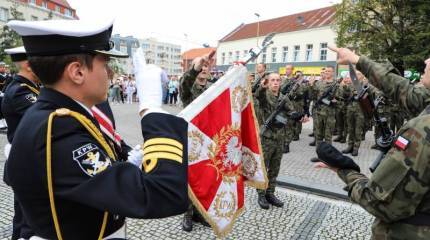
(398, 191)
(189, 89)
(266, 102)
(318, 89)
(300, 96)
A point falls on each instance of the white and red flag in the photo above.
(224, 150)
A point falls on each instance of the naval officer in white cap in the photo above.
(60, 167)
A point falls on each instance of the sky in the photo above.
(189, 23)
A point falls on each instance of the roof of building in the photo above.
(295, 22)
(197, 52)
(62, 3)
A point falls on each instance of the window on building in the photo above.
(4, 14)
(44, 4)
(32, 2)
(145, 45)
(245, 53)
(230, 57)
(222, 58)
(237, 55)
(19, 15)
(284, 54)
(296, 53)
(274, 54)
(309, 49)
(34, 18)
(67, 12)
(323, 52)
(263, 56)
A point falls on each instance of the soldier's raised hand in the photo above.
(345, 55)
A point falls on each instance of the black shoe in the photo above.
(312, 144)
(287, 148)
(314, 160)
(355, 152)
(197, 217)
(272, 199)
(374, 146)
(347, 150)
(187, 223)
(311, 135)
(262, 201)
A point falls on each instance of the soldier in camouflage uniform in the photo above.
(341, 111)
(354, 117)
(398, 192)
(325, 110)
(192, 84)
(313, 98)
(268, 96)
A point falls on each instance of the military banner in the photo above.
(224, 150)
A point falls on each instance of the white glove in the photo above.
(148, 84)
(7, 148)
(135, 156)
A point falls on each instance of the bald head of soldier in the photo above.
(289, 70)
(261, 68)
(329, 73)
(274, 83)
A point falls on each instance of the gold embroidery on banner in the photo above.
(249, 163)
(196, 143)
(225, 152)
(225, 204)
(239, 98)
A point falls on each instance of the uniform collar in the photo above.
(59, 100)
(22, 79)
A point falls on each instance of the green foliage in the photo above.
(394, 30)
(8, 37)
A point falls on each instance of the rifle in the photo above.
(369, 108)
(327, 95)
(275, 116)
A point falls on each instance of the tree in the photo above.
(394, 30)
(8, 37)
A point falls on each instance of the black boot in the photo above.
(374, 146)
(355, 151)
(187, 222)
(272, 199)
(313, 143)
(311, 135)
(263, 202)
(348, 149)
(197, 217)
(287, 148)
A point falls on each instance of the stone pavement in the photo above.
(305, 215)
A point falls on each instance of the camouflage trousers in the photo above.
(290, 131)
(401, 231)
(272, 152)
(355, 119)
(325, 124)
(341, 122)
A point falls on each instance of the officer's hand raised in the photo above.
(345, 55)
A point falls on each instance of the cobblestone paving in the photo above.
(305, 216)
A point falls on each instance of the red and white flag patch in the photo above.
(401, 143)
